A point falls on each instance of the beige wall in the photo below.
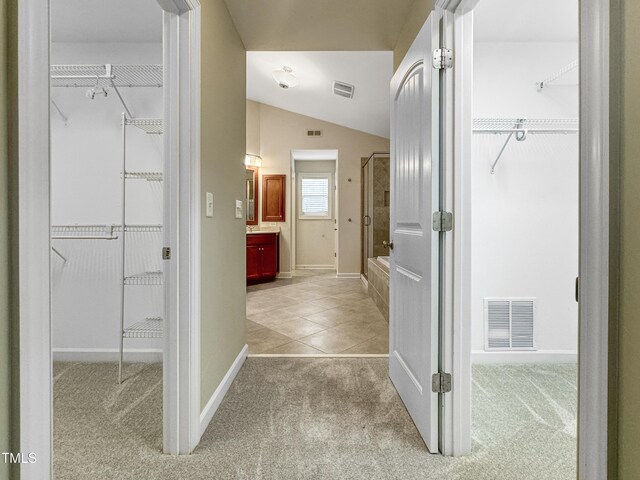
(420, 11)
(5, 326)
(626, 240)
(9, 395)
(223, 236)
(315, 238)
(282, 131)
(253, 128)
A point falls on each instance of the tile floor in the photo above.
(314, 313)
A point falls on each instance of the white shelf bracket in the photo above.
(64, 118)
(560, 73)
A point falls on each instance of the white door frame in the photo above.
(36, 426)
(181, 45)
(594, 235)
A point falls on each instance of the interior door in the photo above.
(414, 257)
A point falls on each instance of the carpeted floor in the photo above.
(310, 418)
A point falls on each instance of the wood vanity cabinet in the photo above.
(263, 254)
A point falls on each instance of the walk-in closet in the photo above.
(107, 218)
(524, 219)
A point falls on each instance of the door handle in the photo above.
(388, 245)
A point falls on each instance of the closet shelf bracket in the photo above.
(520, 136)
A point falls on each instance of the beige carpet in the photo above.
(287, 418)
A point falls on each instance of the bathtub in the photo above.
(384, 260)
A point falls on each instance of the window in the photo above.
(315, 199)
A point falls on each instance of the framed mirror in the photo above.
(252, 195)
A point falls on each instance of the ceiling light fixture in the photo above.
(285, 78)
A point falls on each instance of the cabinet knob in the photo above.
(388, 245)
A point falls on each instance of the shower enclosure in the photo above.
(375, 201)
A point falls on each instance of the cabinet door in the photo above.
(273, 198)
(253, 262)
(269, 260)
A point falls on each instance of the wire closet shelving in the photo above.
(521, 128)
(99, 78)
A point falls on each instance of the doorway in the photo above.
(314, 202)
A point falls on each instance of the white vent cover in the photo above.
(343, 89)
(509, 323)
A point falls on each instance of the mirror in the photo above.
(252, 195)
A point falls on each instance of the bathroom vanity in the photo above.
(263, 251)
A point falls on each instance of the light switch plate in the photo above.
(209, 205)
(239, 209)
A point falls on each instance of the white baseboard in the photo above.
(364, 280)
(348, 275)
(284, 275)
(100, 355)
(316, 267)
(214, 402)
(319, 355)
(540, 356)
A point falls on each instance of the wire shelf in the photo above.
(144, 279)
(148, 176)
(142, 228)
(152, 126)
(73, 76)
(530, 125)
(83, 232)
(148, 328)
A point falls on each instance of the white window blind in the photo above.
(315, 196)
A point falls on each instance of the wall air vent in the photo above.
(343, 89)
(314, 133)
(509, 323)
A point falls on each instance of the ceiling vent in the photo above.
(509, 323)
(343, 89)
(314, 133)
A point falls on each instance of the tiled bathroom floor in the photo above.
(314, 313)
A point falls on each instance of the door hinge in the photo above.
(442, 221)
(442, 58)
(441, 382)
(166, 253)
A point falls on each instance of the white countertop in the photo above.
(258, 230)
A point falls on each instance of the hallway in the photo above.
(314, 313)
(310, 418)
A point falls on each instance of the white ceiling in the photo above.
(370, 72)
(526, 21)
(314, 154)
(106, 21)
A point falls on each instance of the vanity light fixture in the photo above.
(285, 78)
(252, 160)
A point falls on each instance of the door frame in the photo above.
(36, 416)
(294, 207)
(593, 347)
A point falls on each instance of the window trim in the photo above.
(323, 175)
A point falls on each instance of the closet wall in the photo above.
(86, 189)
(525, 216)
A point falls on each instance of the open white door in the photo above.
(414, 255)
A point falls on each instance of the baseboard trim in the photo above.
(214, 402)
(319, 355)
(540, 356)
(316, 267)
(284, 275)
(348, 275)
(103, 355)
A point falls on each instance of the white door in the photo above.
(413, 343)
